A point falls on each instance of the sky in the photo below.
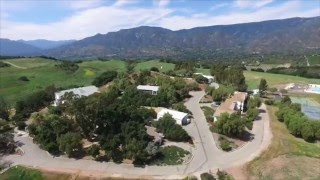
(77, 19)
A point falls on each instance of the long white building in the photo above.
(180, 117)
(149, 89)
(82, 91)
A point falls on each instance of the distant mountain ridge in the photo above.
(46, 44)
(294, 35)
(15, 48)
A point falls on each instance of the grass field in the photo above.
(287, 157)
(23, 173)
(314, 59)
(154, 63)
(43, 73)
(172, 155)
(253, 79)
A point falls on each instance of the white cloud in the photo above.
(252, 3)
(83, 4)
(218, 6)
(119, 3)
(163, 3)
(286, 10)
(84, 23)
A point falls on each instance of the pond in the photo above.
(309, 107)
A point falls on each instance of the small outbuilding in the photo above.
(148, 89)
(181, 118)
(82, 91)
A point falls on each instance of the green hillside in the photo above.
(42, 73)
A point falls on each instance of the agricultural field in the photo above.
(287, 157)
(42, 73)
(146, 65)
(314, 59)
(253, 79)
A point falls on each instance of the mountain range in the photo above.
(294, 35)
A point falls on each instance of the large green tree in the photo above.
(263, 86)
(70, 143)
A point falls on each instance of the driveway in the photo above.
(206, 155)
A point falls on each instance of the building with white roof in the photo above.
(82, 91)
(149, 89)
(180, 117)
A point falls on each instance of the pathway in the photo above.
(14, 65)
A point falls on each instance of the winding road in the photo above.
(206, 155)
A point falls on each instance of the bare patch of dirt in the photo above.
(238, 172)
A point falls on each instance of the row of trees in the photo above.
(298, 125)
(303, 71)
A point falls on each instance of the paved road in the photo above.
(14, 65)
(206, 155)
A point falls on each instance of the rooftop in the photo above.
(82, 91)
(228, 105)
(173, 113)
(148, 88)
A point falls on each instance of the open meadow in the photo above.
(253, 79)
(314, 59)
(42, 73)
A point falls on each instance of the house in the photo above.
(180, 117)
(82, 91)
(231, 105)
(210, 78)
(148, 89)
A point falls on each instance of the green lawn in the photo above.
(154, 63)
(43, 73)
(172, 155)
(314, 59)
(203, 71)
(253, 79)
(22, 173)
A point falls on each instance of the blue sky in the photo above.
(77, 19)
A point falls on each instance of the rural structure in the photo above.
(81, 91)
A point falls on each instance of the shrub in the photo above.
(207, 176)
(23, 78)
(201, 79)
(269, 102)
(257, 69)
(154, 69)
(21, 125)
(225, 144)
(171, 130)
(67, 66)
(208, 113)
(94, 150)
